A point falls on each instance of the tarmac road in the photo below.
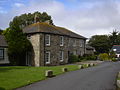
(101, 77)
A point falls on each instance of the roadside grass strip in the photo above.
(12, 77)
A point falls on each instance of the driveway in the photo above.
(100, 77)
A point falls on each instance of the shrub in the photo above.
(113, 59)
(103, 56)
(88, 57)
(73, 58)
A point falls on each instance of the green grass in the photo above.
(16, 76)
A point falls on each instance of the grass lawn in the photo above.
(16, 76)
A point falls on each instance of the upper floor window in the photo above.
(61, 40)
(69, 42)
(47, 57)
(1, 53)
(61, 55)
(47, 40)
(74, 42)
(81, 43)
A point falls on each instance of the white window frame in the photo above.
(2, 54)
(61, 56)
(61, 40)
(81, 43)
(69, 42)
(47, 61)
(74, 42)
(47, 40)
(74, 52)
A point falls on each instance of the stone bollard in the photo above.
(80, 66)
(118, 81)
(118, 74)
(91, 64)
(49, 73)
(94, 64)
(65, 69)
(87, 65)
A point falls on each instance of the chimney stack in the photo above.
(47, 21)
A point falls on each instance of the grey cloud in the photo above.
(99, 18)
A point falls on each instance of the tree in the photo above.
(1, 31)
(18, 44)
(100, 43)
(27, 19)
(114, 38)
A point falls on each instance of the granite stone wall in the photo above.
(39, 48)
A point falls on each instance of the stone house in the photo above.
(3, 51)
(52, 45)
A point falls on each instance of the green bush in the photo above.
(112, 56)
(103, 56)
(88, 57)
(73, 58)
(114, 59)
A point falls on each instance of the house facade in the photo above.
(52, 45)
(3, 51)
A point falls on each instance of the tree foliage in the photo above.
(103, 43)
(1, 31)
(100, 43)
(30, 18)
(114, 38)
(18, 43)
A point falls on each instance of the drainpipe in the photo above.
(84, 46)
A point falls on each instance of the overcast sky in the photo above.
(85, 17)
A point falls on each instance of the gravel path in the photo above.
(100, 77)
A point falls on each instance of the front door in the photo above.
(28, 58)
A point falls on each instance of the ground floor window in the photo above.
(61, 55)
(1, 54)
(47, 57)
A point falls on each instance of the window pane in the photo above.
(1, 53)
(61, 55)
(47, 39)
(47, 57)
(61, 40)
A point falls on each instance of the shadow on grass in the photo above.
(5, 69)
(2, 88)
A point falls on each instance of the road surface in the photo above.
(101, 77)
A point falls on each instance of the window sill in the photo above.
(61, 60)
(47, 62)
(47, 45)
(61, 45)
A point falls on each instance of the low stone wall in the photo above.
(89, 62)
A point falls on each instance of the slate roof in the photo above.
(3, 42)
(117, 47)
(47, 28)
